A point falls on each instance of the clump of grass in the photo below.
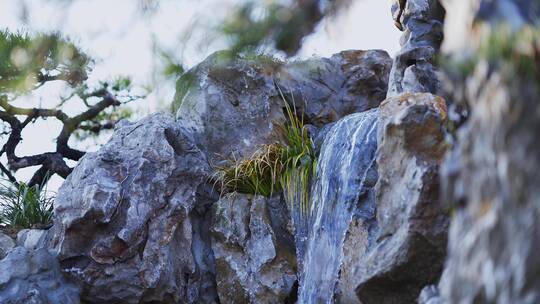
(287, 165)
(299, 160)
(258, 174)
(25, 206)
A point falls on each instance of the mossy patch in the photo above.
(184, 84)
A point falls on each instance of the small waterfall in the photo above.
(346, 161)
(300, 220)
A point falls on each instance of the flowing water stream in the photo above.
(346, 161)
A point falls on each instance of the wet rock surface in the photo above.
(342, 190)
(232, 105)
(32, 238)
(254, 255)
(389, 259)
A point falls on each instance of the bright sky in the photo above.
(121, 40)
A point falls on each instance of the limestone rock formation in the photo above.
(32, 238)
(430, 295)
(6, 244)
(231, 105)
(254, 253)
(389, 259)
(34, 277)
(139, 221)
(491, 176)
(122, 226)
(327, 89)
(413, 70)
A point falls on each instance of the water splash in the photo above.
(346, 161)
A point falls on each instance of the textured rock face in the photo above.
(421, 23)
(122, 219)
(430, 295)
(138, 221)
(391, 259)
(254, 253)
(232, 106)
(34, 277)
(6, 244)
(227, 105)
(327, 89)
(491, 176)
(32, 238)
(494, 238)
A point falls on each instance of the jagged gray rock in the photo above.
(391, 259)
(32, 238)
(232, 106)
(254, 253)
(138, 221)
(34, 277)
(122, 225)
(422, 24)
(494, 236)
(430, 295)
(6, 244)
(491, 176)
(327, 89)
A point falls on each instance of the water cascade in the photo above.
(346, 172)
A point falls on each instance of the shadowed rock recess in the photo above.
(416, 198)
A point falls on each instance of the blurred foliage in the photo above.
(171, 66)
(281, 25)
(513, 55)
(27, 62)
(518, 51)
(514, 52)
(253, 25)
